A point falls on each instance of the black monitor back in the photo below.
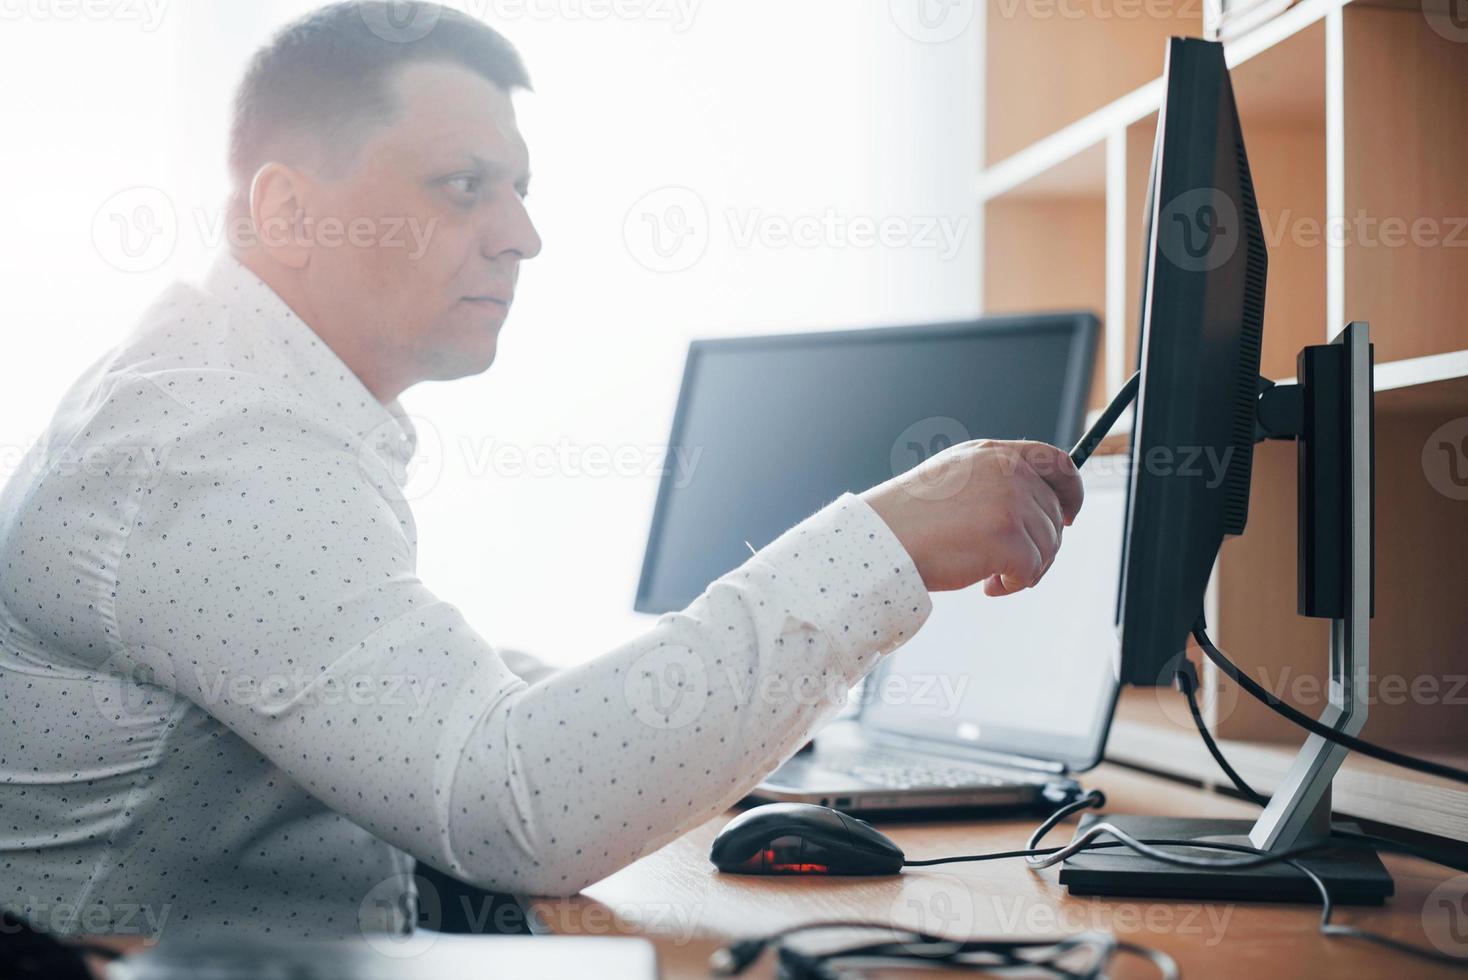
(1202, 326)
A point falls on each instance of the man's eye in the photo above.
(468, 184)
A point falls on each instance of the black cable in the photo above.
(1200, 633)
(1095, 798)
(1187, 682)
(1083, 449)
(915, 946)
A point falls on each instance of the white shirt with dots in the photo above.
(227, 701)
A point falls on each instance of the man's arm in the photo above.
(268, 575)
(527, 667)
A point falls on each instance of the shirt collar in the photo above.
(297, 356)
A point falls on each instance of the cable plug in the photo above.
(734, 959)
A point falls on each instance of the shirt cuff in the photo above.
(853, 579)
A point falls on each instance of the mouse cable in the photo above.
(1256, 690)
(1054, 956)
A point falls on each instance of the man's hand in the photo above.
(982, 511)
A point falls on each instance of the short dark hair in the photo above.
(322, 81)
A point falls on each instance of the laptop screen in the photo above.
(1030, 674)
(770, 429)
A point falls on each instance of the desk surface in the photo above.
(675, 898)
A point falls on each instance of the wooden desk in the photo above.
(675, 898)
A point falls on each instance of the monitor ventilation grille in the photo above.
(1251, 336)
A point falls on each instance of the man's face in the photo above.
(440, 192)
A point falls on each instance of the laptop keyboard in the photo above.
(902, 772)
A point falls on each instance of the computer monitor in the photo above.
(1202, 326)
(1201, 406)
(772, 428)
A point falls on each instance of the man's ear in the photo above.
(277, 209)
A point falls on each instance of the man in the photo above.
(230, 701)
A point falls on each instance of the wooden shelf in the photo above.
(1405, 147)
(1040, 243)
(1153, 731)
(1046, 69)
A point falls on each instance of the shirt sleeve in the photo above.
(270, 580)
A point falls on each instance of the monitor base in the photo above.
(1353, 876)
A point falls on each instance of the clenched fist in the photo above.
(983, 511)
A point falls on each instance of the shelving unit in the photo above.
(1354, 120)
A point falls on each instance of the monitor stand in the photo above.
(1330, 414)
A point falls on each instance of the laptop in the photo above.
(993, 702)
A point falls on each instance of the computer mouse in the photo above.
(803, 839)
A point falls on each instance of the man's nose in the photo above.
(511, 231)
